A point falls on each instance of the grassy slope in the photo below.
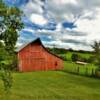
(53, 85)
(69, 54)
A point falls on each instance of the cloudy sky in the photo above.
(61, 23)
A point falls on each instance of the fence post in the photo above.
(78, 70)
(92, 72)
(86, 71)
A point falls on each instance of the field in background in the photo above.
(72, 67)
(85, 55)
(68, 54)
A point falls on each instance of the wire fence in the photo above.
(83, 71)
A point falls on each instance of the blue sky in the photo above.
(63, 23)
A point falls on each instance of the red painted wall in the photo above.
(35, 57)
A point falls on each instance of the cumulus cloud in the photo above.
(71, 9)
(38, 19)
(32, 6)
(34, 11)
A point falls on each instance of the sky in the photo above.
(60, 23)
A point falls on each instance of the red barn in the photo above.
(34, 56)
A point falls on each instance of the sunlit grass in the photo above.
(52, 85)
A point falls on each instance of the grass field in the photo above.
(85, 55)
(52, 85)
(69, 54)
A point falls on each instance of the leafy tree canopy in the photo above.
(96, 47)
(10, 25)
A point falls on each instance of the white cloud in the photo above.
(19, 44)
(91, 27)
(71, 9)
(33, 6)
(38, 19)
(34, 12)
(29, 30)
(63, 2)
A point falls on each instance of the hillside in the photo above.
(67, 53)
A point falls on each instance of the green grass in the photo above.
(69, 54)
(52, 85)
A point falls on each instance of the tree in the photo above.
(96, 47)
(10, 25)
(74, 57)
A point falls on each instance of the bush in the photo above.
(91, 59)
(63, 57)
(74, 57)
(82, 59)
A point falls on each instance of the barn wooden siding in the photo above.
(35, 57)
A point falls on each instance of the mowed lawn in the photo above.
(52, 85)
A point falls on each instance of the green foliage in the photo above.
(83, 55)
(74, 57)
(96, 47)
(10, 24)
(63, 57)
(6, 77)
(57, 50)
(91, 59)
(5, 68)
(80, 57)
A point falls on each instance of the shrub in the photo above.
(63, 57)
(74, 57)
(82, 59)
(91, 59)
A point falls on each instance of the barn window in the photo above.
(56, 63)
